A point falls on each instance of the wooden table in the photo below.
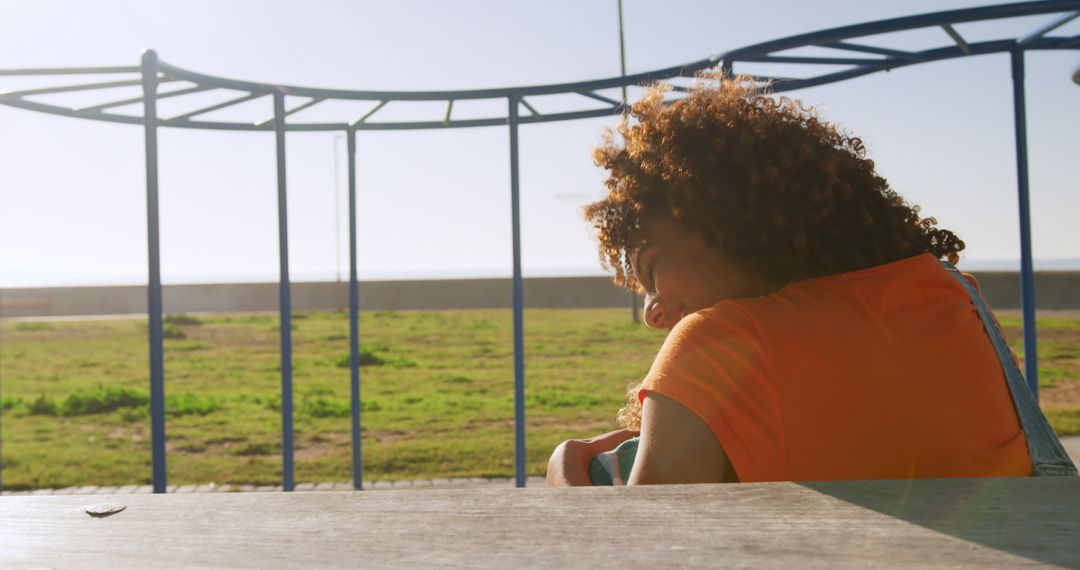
(959, 522)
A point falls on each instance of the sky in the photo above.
(436, 204)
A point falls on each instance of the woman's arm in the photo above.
(677, 447)
(569, 464)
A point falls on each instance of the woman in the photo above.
(816, 330)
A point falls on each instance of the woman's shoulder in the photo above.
(900, 281)
(713, 346)
(714, 330)
(916, 286)
(911, 268)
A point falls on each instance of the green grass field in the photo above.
(437, 389)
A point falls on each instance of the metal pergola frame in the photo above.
(868, 58)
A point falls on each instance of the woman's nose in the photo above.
(654, 311)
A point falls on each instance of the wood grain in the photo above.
(959, 522)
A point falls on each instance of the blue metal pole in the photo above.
(284, 299)
(154, 303)
(1027, 271)
(354, 321)
(519, 331)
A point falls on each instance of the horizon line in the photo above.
(985, 264)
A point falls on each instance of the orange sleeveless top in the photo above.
(884, 373)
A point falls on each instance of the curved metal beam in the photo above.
(779, 85)
(931, 20)
(765, 53)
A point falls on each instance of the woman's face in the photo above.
(681, 274)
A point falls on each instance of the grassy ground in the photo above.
(1059, 368)
(438, 393)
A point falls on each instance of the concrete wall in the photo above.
(1054, 290)
(1057, 290)
(560, 292)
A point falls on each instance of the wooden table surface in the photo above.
(959, 522)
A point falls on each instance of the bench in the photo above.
(1001, 522)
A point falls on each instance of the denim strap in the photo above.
(1048, 457)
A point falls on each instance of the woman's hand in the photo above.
(569, 464)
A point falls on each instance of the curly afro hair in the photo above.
(779, 190)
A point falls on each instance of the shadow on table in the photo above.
(1038, 519)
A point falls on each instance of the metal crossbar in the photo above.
(955, 35)
(314, 101)
(848, 46)
(216, 107)
(139, 99)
